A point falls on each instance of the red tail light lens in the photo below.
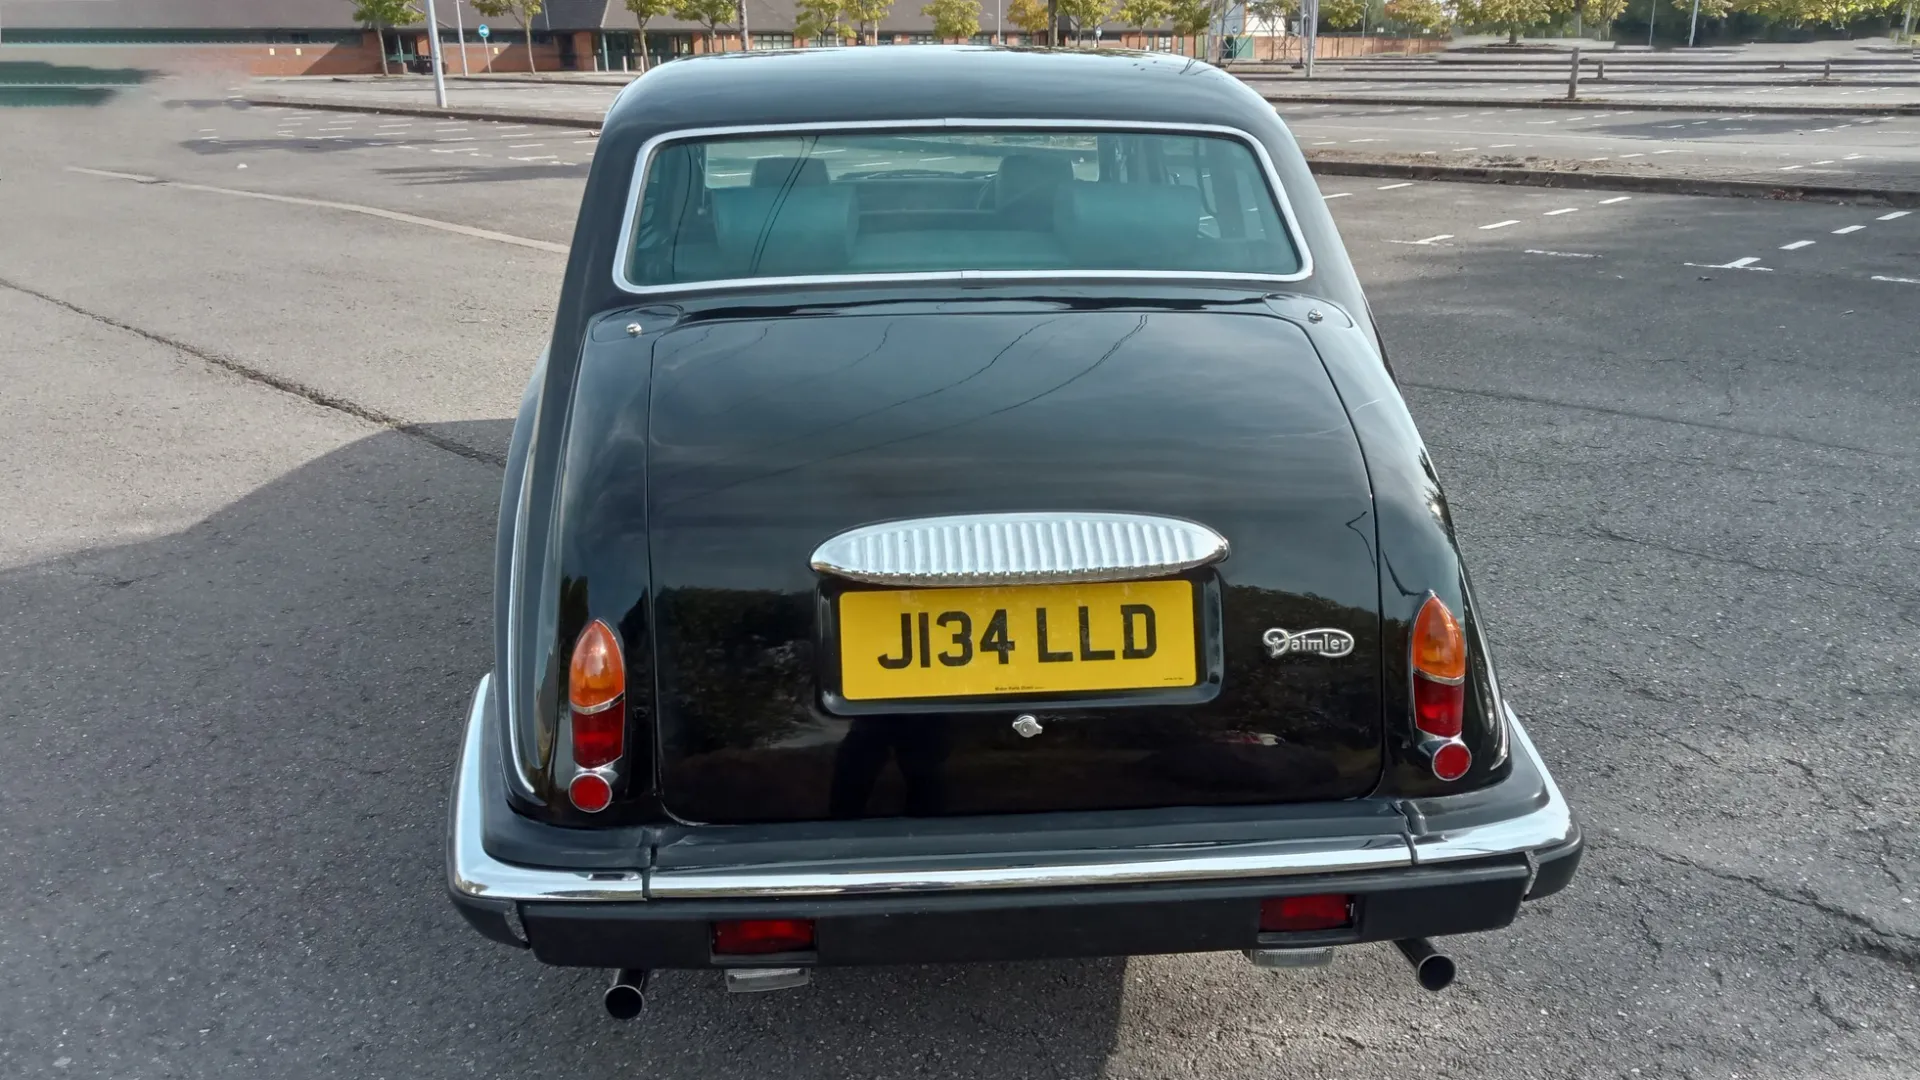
(596, 688)
(758, 937)
(1321, 911)
(1452, 761)
(1438, 709)
(590, 792)
(1439, 671)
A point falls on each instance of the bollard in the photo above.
(1603, 72)
(1826, 71)
(1573, 76)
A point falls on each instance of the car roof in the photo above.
(931, 82)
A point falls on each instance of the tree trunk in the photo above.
(1053, 24)
(1513, 35)
(528, 29)
(380, 42)
(746, 36)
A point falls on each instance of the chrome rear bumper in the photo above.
(1544, 824)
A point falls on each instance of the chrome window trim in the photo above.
(1020, 548)
(474, 874)
(624, 246)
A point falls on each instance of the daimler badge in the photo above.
(1322, 642)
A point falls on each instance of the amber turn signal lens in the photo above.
(1439, 648)
(596, 676)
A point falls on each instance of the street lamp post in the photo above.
(1653, 9)
(1694, 25)
(433, 55)
(460, 32)
(998, 39)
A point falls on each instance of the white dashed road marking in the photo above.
(1337, 195)
(1501, 224)
(1796, 245)
(1790, 168)
(1845, 229)
(1896, 214)
(1899, 280)
(1428, 242)
(1390, 187)
(541, 157)
(1737, 264)
(1562, 210)
(526, 146)
(1563, 254)
(1615, 199)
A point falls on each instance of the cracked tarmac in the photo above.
(241, 622)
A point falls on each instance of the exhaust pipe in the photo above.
(628, 994)
(1434, 969)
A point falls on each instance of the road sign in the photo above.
(484, 32)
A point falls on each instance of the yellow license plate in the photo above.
(1023, 639)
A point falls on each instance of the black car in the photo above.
(965, 513)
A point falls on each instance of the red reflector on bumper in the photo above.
(1321, 911)
(754, 937)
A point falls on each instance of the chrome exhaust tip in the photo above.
(627, 997)
(1433, 968)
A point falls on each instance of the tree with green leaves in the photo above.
(1191, 18)
(1029, 15)
(1343, 14)
(1513, 16)
(1431, 16)
(820, 21)
(954, 18)
(710, 14)
(644, 12)
(521, 11)
(377, 15)
(1271, 14)
(866, 16)
(1084, 15)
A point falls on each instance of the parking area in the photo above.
(260, 365)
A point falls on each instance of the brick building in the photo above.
(319, 37)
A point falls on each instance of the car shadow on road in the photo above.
(242, 736)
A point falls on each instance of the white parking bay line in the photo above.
(1428, 242)
(1829, 161)
(1501, 224)
(1562, 210)
(1563, 254)
(1462, 149)
(526, 146)
(1337, 195)
(1897, 214)
(1796, 245)
(1790, 168)
(1624, 157)
(1899, 280)
(541, 157)
(1845, 229)
(1502, 145)
(577, 142)
(1615, 199)
(1390, 187)
(1748, 261)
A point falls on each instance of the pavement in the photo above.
(255, 419)
(1859, 154)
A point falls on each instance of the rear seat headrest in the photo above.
(1127, 226)
(789, 172)
(1023, 176)
(801, 230)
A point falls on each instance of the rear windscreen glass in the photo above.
(941, 201)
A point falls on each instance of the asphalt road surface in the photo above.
(1875, 152)
(254, 418)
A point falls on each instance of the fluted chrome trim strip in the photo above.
(1019, 549)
